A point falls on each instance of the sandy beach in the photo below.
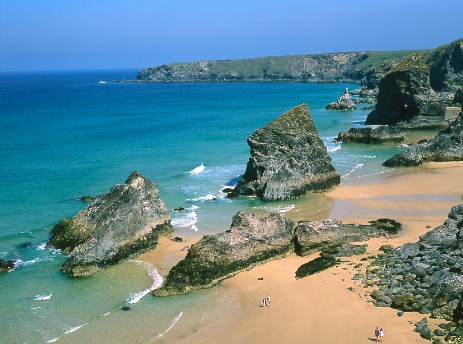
(321, 308)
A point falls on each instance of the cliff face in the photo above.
(405, 96)
(320, 67)
(288, 159)
(446, 67)
(124, 222)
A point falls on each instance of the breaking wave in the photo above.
(187, 219)
(157, 281)
(42, 297)
(197, 170)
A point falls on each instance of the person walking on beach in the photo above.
(268, 301)
(387, 237)
(381, 335)
(377, 334)
(264, 302)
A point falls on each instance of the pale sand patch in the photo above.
(320, 308)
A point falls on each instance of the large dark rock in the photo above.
(252, 239)
(445, 146)
(7, 265)
(405, 97)
(446, 66)
(329, 234)
(257, 238)
(427, 276)
(343, 103)
(122, 223)
(288, 159)
(374, 135)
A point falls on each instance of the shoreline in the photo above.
(321, 308)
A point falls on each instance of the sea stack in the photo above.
(122, 223)
(288, 159)
(343, 103)
(406, 98)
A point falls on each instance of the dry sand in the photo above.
(321, 308)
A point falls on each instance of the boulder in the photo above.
(7, 265)
(252, 239)
(446, 66)
(374, 135)
(458, 97)
(445, 146)
(343, 103)
(329, 234)
(288, 159)
(124, 222)
(406, 97)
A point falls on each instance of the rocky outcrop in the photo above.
(343, 103)
(446, 66)
(375, 135)
(7, 265)
(122, 223)
(288, 159)
(328, 234)
(252, 239)
(458, 97)
(426, 276)
(257, 238)
(406, 97)
(445, 146)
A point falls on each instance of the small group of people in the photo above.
(266, 301)
(379, 334)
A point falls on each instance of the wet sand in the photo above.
(321, 308)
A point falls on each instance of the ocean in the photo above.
(65, 135)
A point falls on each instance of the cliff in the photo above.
(288, 159)
(122, 223)
(333, 67)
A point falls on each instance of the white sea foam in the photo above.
(176, 319)
(102, 82)
(53, 340)
(107, 313)
(42, 297)
(157, 281)
(403, 145)
(193, 227)
(74, 329)
(197, 170)
(333, 149)
(357, 166)
(185, 220)
(42, 246)
(206, 198)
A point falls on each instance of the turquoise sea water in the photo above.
(68, 134)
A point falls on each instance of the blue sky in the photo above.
(104, 34)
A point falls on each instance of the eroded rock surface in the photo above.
(406, 98)
(122, 223)
(343, 103)
(288, 159)
(252, 239)
(445, 146)
(373, 135)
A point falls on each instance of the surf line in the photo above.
(176, 319)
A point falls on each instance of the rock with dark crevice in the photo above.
(122, 223)
(288, 159)
(407, 99)
(7, 265)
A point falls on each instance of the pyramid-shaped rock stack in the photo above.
(288, 159)
(124, 222)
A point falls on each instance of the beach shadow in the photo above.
(372, 339)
